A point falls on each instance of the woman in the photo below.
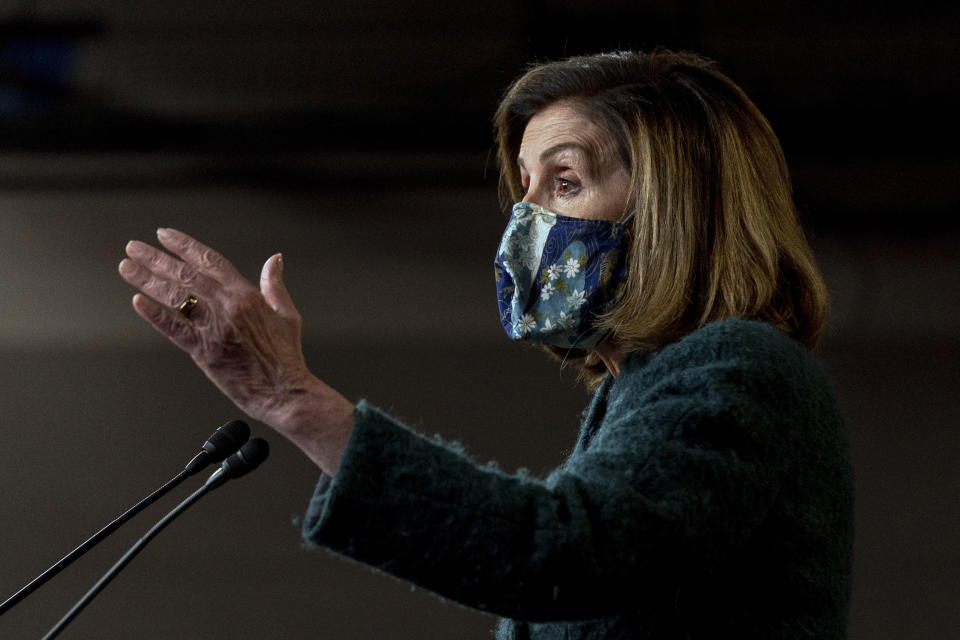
(654, 241)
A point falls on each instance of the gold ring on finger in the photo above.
(187, 306)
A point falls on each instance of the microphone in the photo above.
(241, 463)
(226, 440)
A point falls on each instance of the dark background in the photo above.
(355, 138)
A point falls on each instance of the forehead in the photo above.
(559, 124)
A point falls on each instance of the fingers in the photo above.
(162, 277)
(178, 331)
(204, 273)
(201, 257)
(273, 288)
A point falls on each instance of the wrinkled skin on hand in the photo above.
(246, 340)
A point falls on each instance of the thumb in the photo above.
(273, 289)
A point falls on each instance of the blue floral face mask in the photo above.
(555, 274)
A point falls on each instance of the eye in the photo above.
(565, 187)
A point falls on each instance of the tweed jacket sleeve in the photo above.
(680, 465)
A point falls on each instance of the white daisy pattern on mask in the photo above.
(530, 258)
(547, 291)
(555, 274)
(577, 298)
(565, 321)
(526, 323)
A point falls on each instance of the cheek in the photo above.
(613, 207)
(613, 200)
(600, 205)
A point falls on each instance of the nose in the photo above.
(533, 194)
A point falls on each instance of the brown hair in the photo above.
(716, 233)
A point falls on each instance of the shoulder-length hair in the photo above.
(715, 233)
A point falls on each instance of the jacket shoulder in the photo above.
(730, 362)
(743, 344)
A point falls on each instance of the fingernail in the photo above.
(280, 261)
(164, 234)
(127, 266)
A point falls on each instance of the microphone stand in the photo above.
(227, 439)
(68, 559)
(242, 462)
(215, 480)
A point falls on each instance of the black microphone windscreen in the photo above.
(247, 459)
(226, 440)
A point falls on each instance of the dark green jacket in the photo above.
(710, 495)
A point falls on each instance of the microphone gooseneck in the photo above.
(242, 462)
(226, 440)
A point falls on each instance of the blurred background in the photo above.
(355, 138)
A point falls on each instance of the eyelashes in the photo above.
(560, 187)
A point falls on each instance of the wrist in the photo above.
(318, 420)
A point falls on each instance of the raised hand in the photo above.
(246, 340)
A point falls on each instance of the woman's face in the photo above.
(569, 166)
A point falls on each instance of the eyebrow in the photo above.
(557, 148)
